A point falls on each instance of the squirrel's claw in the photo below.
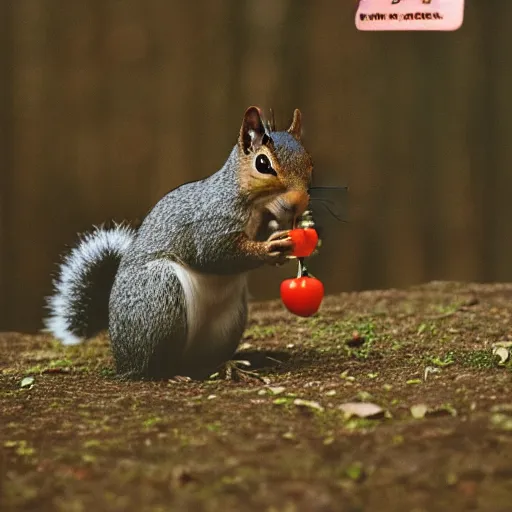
(278, 247)
(278, 251)
(178, 379)
(232, 370)
(279, 235)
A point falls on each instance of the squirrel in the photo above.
(173, 292)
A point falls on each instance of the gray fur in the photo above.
(147, 300)
(178, 303)
(77, 308)
(146, 312)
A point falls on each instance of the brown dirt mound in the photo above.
(77, 438)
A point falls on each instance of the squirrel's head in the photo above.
(275, 169)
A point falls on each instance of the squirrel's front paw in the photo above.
(278, 247)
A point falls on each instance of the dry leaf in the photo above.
(276, 390)
(418, 411)
(308, 403)
(27, 382)
(430, 369)
(502, 421)
(362, 409)
(506, 344)
(502, 353)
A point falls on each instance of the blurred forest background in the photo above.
(106, 105)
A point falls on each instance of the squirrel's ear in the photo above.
(252, 133)
(296, 126)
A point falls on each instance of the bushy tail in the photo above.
(78, 308)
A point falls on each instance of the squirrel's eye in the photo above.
(263, 165)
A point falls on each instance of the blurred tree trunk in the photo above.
(105, 106)
(5, 150)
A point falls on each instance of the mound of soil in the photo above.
(395, 400)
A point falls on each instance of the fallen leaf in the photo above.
(501, 352)
(308, 403)
(346, 376)
(418, 411)
(362, 410)
(502, 421)
(276, 390)
(428, 370)
(27, 382)
(506, 344)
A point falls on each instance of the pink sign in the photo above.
(409, 14)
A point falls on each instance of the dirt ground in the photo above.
(75, 438)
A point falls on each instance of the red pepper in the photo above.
(303, 294)
(304, 241)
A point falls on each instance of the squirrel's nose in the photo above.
(298, 202)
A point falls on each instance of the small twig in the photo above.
(273, 359)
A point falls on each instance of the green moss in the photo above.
(442, 361)
(427, 328)
(60, 363)
(259, 332)
(479, 359)
(150, 422)
(361, 424)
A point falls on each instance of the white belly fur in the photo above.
(213, 304)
